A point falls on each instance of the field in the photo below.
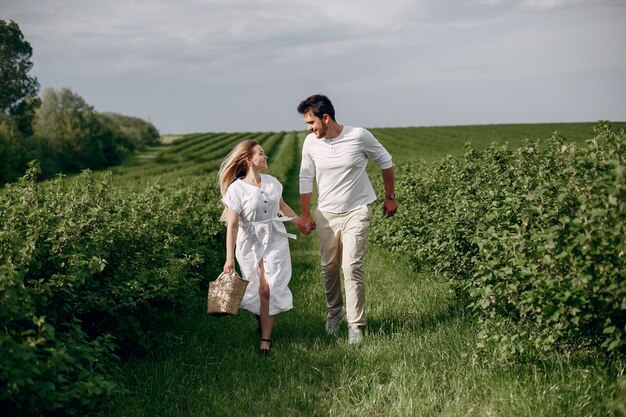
(423, 353)
(201, 153)
(420, 355)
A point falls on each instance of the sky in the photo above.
(244, 65)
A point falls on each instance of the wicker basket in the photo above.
(225, 294)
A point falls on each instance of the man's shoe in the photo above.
(332, 323)
(355, 336)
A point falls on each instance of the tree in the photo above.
(138, 132)
(18, 90)
(73, 135)
(12, 159)
(69, 126)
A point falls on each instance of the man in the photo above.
(336, 156)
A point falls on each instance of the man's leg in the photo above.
(354, 237)
(328, 226)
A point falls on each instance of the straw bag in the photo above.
(225, 294)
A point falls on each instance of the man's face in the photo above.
(316, 125)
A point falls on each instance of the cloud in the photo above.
(549, 4)
(195, 65)
(492, 2)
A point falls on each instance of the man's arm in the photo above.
(390, 206)
(306, 221)
(307, 174)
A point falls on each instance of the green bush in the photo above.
(44, 369)
(87, 270)
(533, 239)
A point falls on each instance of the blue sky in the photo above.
(243, 65)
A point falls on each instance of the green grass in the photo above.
(418, 358)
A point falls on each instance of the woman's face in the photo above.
(258, 158)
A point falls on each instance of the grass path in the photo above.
(417, 359)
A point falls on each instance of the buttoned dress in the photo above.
(262, 236)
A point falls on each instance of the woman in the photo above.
(256, 235)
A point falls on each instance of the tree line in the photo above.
(59, 129)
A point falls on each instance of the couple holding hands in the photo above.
(335, 156)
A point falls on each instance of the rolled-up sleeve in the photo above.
(375, 151)
(307, 171)
(232, 199)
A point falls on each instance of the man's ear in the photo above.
(326, 118)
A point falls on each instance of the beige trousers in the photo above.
(342, 245)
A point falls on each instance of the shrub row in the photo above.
(533, 239)
(281, 162)
(87, 269)
(207, 148)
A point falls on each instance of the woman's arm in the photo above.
(232, 227)
(288, 211)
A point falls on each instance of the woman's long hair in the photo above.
(234, 166)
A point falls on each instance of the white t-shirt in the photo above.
(338, 165)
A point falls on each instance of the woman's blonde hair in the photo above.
(234, 166)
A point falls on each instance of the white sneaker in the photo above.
(355, 336)
(332, 323)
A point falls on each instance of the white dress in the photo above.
(262, 235)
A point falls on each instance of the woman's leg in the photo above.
(267, 321)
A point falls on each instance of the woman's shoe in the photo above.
(265, 351)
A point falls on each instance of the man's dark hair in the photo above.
(318, 104)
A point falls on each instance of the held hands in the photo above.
(306, 224)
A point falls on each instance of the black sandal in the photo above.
(265, 352)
